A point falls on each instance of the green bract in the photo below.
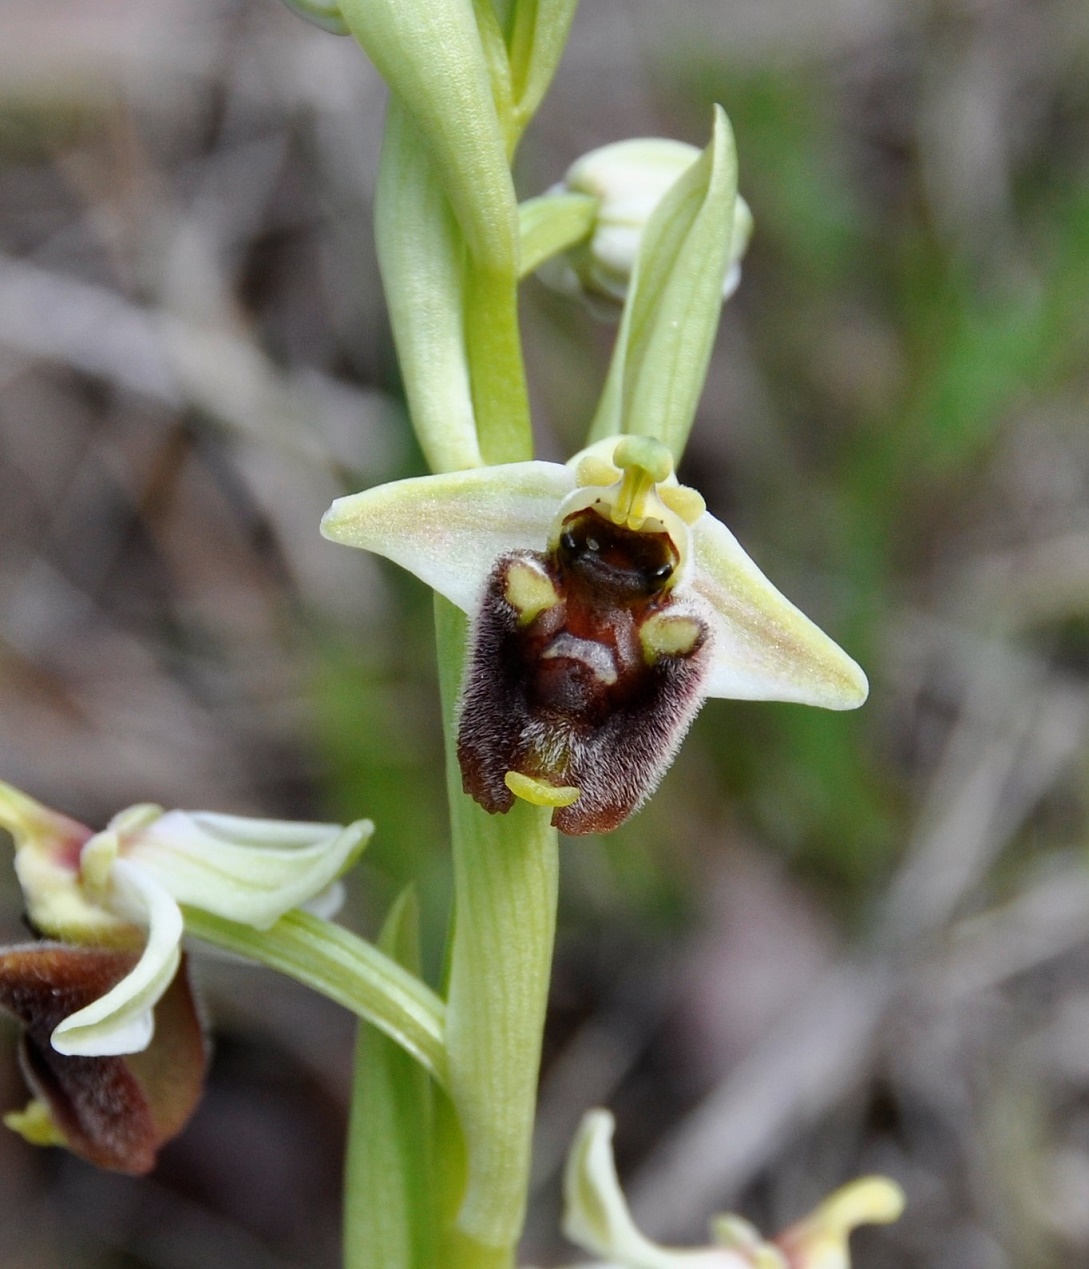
(674, 300)
(419, 250)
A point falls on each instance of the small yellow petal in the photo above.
(820, 1241)
(871, 1200)
(683, 501)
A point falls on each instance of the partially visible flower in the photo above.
(121, 889)
(608, 605)
(820, 1241)
(112, 1111)
(596, 1218)
(629, 180)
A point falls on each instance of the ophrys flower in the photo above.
(607, 604)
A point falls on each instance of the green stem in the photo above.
(505, 877)
(345, 968)
(494, 348)
(390, 1216)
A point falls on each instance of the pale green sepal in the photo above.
(122, 1020)
(673, 305)
(347, 969)
(449, 530)
(429, 51)
(247, 870)
(763, 647)
(389, 1216)
(419, 255)
(539, 30)
(551, 224)
(323, 13)
(596, 1215)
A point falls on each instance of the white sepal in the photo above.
(247, 870)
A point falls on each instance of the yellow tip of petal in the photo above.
(682, 501)
(871, 1200)
(36, 1125)
(539, 792)
(593, 470)
(29, 821)
(820, 1241)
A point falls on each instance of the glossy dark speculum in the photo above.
(563, 684)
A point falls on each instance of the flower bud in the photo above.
(629, 179)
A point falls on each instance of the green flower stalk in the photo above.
(584, 612)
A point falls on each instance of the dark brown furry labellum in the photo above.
(584, 675)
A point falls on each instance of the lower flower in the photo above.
(596, 1218)
(112, 1046)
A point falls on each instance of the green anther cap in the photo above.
(647, 453)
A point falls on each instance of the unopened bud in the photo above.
(629, 180)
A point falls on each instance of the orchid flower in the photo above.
(122, 889)
(608, 604)
(596, 1218)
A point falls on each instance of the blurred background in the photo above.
(832, 944)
